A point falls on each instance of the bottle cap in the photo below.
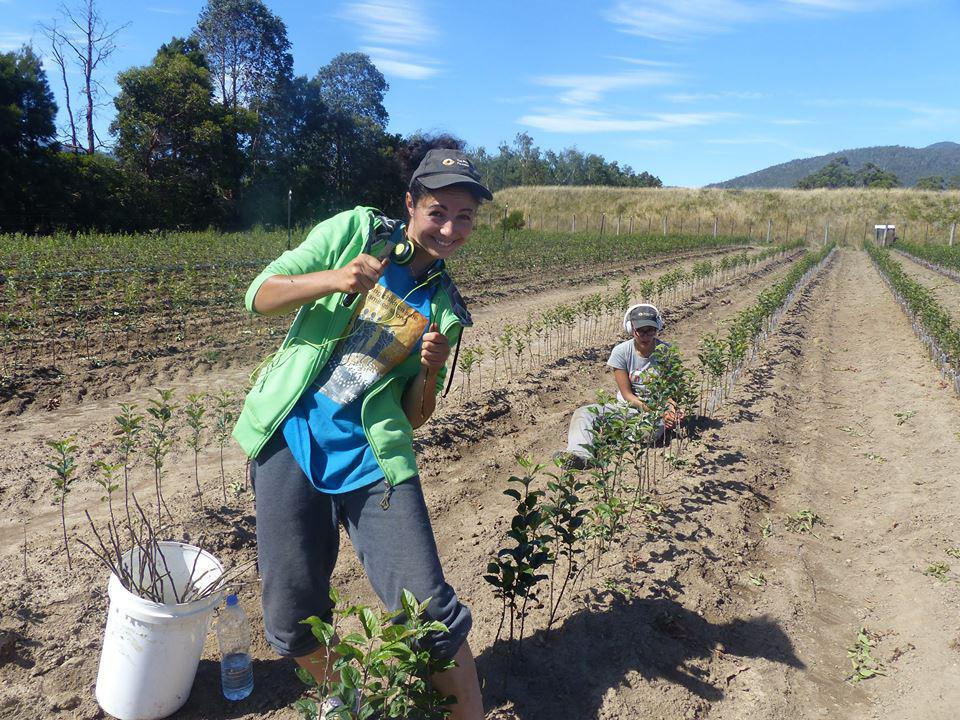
(231, 600)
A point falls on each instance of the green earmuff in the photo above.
(402, 252)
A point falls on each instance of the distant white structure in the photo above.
(885, 234)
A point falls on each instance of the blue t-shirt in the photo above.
(324, 430)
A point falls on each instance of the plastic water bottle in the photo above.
(233, 634)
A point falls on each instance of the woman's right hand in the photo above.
(360, 274)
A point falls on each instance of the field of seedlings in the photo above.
(793, 550)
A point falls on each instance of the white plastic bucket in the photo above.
(151, 650)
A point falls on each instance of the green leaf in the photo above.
(370, 623)
(350, 676)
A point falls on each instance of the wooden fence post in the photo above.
(715, 223)
(664, 225)
(631, 224)
(574, 227)
(826, 232)
(953, 233)
(618, 223)
(769, 229)
(603, 220)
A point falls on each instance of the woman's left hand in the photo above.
(434, 349)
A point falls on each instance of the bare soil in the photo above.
(671, 625)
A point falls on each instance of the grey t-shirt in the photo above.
(625, 357)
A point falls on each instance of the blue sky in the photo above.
(694, 91)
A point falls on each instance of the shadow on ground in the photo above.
(657, 639)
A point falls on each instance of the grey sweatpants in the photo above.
(298, 541)
(580, 434)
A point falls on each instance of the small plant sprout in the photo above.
(876, 458)
(237, 489)
(954, 552)
(565, 516)
(106, 478)
(904, 416)
(64, 466)
(757, 578)
(131, 425)
(513, 573)
(766, 527)
(223, 403)
(195, 409)
(160, 441)
(864, 664)
(939, 570)
(803, 521)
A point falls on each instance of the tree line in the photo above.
(217, 131)
(838, 174)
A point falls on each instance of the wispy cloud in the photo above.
(584, 89)
(13, 40)
(919, 114)
(644, 62)
(399, 63)
(583, 121)
(168, 10)
(713, 97)
(681, 20)
(389, 26)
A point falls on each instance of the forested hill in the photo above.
(908, 164)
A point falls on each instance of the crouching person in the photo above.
(634, 361)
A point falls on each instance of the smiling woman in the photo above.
(329, 421)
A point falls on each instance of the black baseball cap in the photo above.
(441, 168)
(644, 316)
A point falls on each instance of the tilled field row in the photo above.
(46, 371)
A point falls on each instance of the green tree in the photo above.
(523, 163)
(171, 133)
(872, 176)
(27, 130)
(351, 84)
(835, 174)
(247, 49)
(931, 182)
(352, 89)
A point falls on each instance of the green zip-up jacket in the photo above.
(312, 338)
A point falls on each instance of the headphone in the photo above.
(403, 249)
(628, 326)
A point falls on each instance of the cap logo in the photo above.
(448, 161)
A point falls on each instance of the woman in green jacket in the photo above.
(329, 420)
